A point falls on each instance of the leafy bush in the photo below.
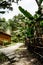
(2, 58)
(6, 43)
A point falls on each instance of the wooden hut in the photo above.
(4, 37)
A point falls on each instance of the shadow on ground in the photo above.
(23, 57)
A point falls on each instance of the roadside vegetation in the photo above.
(24, 27)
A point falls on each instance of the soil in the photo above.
(23, 57)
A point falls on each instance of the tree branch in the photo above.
(37, 3)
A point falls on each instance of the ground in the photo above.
(23, 57)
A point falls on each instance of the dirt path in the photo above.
(23, 57)
(26, 58)
(10, 49)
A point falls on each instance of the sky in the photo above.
(29, 5)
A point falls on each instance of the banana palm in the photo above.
(35, 19)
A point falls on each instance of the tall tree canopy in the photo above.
(36, 18)
(7, 4)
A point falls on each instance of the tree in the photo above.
(3, 24)
(6, 4)
(36, 19)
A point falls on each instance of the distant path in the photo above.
(10, 49)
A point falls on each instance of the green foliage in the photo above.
(7, 4)
(27, 14)
(36, 25)
(21, 26)
(2, 12)
(5, 43)
(3, 24)
(40, 1)
(2, 58)
(41, 24)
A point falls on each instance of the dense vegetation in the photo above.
(23, 26)
(19, 27)
(36, 24)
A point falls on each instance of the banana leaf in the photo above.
(27, 14)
